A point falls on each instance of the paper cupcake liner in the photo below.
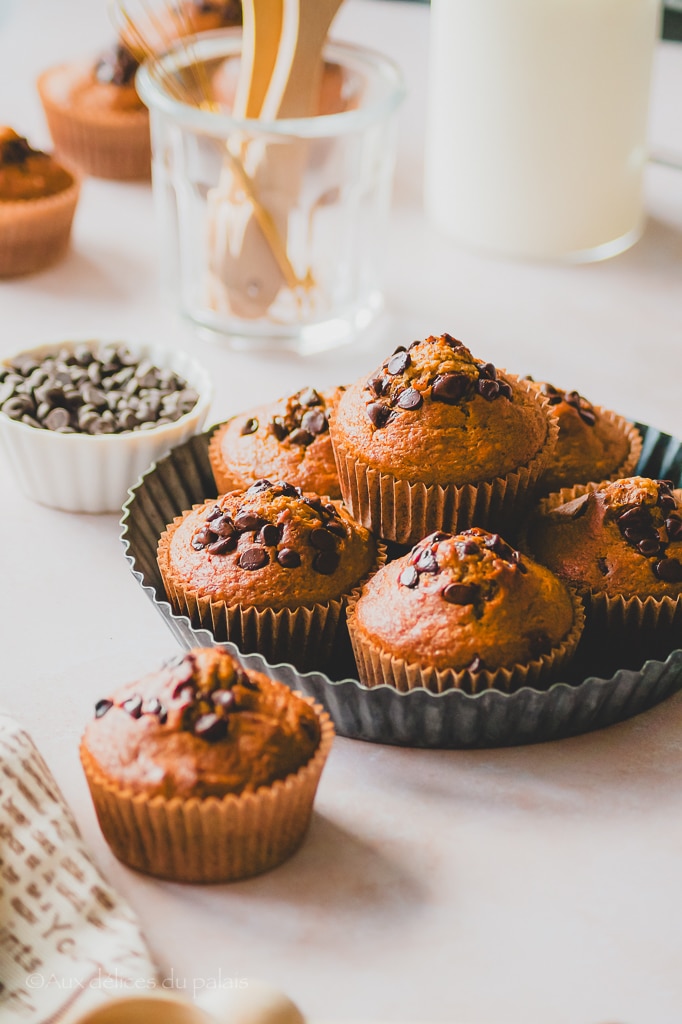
(106, 144)
(35, 232)
(628, 622)
(307, 634)
(405, 512)
(212, 839)
(377, 667)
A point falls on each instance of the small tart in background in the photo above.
(463, 611)
(203, 771)
(96, 119)
(284, 440)
(593, 444)
(38, 198)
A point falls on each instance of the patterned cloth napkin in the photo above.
(67, 939)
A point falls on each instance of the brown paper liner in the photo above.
(630, 621)
(405, 512)
(305, 635)
(113, 144)
(35, 232)
(377, 667)
(214, 839)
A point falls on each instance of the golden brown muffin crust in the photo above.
(435, 414)
(27, 173)
(270, 546)
(201, 726)
(285, 440)
(592, 443)
(622, 538)
(467, 601)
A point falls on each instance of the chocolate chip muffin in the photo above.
(96, 118)
(619, 544)
(465, 611)
(38, 199)
(593, 444)
(438, 439)
(284, 440)
(202, 771)
(269, 568)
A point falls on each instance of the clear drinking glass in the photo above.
(537, 124)
(271, 231)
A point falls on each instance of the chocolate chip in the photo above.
(669, 570)
(201, 538)
(259, 486)
(246, 521)
(102, 706)
(337, 528)
(268, 535)
(487, 371)
(133, 706)
(410, 399)
(322, 539)
(309, 396)
(253, 558)
(603, 566)
(224, 699)
(278, 427)
(449, 387)
(588, 416)
(674, 527)
(378, 385)
(210, 727)
(315, 422)
(378, 414)
(470, 547)
(633, 515)
(648, 546)
(250, 426)
(300, 436)
(460, 593)
(155, 707)
(505, 390)
(489, 389)
(398, 363)
(409, 577)
(223, 545)
(325, 562)
(288, 558)
(427, 561)
(452, 342)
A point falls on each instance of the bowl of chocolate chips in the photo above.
(81, 420)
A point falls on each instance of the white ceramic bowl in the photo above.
(92, 472)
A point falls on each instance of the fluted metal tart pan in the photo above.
(419, 718)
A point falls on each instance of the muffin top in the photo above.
(464, 601)
(27, 173)
(107, 86)
(593, 444)
(271, 546)
(284, 440)
(625, 538)
(201, 726)
(435, 414)
(205, 15)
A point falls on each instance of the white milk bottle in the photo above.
(537, 124)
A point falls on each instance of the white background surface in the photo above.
(538, 885)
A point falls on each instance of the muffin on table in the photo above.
(203, 771)
(38, 199)
(96, 118)
(463, 611)
(284, 440)
(619, 544)
(438, 439)
(594, 444)
(269, 568)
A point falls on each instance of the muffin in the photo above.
(192, 16)
(269, 568)
(437, 439)
(285, 440)
(204, 772)
(619, 544)
(593, 444)
(38, 199)
(96, 119)
(467, 612)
